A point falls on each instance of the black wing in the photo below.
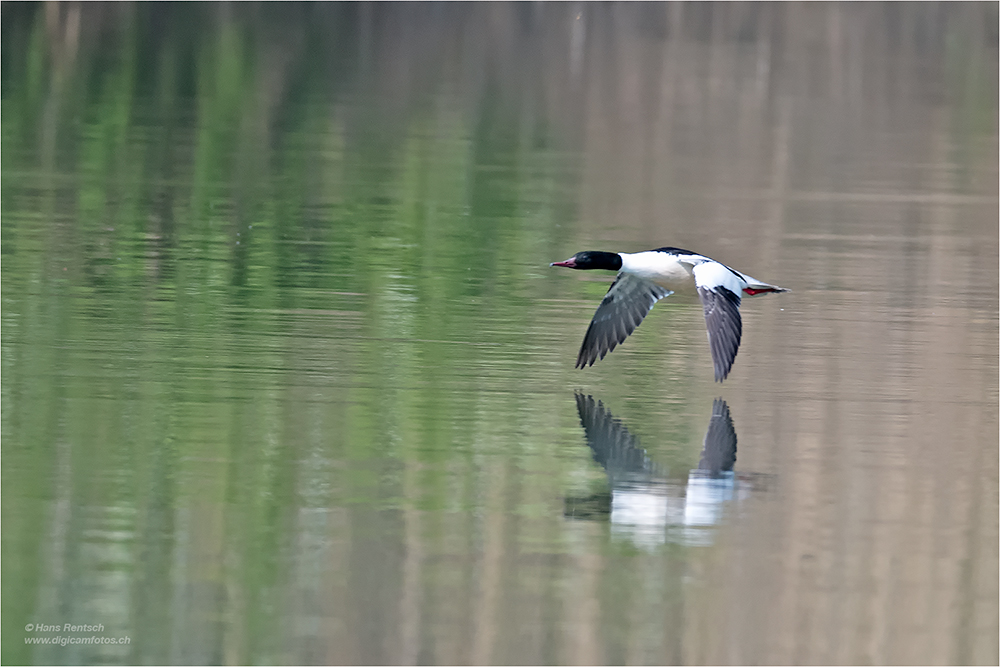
(719, 453)
(625, 305)
(611, 444)
(725, 327)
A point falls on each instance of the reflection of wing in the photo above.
(628, 301)
(610, 443)
(713, 483)
(719, 453)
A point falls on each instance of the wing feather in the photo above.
(611, 444)
(623, 308)
(725, 327)
(719, 453)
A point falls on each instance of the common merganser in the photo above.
(646, 277)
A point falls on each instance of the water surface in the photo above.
(287, 377)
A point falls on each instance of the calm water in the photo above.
(287, 377)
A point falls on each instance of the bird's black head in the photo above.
(592, 259)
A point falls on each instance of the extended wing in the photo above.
(623, 308)
(719, 289)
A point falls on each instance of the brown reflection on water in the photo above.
(823, 160)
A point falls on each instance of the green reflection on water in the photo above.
(233, 297)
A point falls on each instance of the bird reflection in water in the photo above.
(644, 504)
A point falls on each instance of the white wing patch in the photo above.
(711, 275)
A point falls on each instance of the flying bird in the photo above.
(646, 277)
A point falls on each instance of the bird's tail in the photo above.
(755, 287)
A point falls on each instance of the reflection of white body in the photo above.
(642, 511)
(705, 496)
(645, 513)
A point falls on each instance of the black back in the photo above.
(670, 250)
